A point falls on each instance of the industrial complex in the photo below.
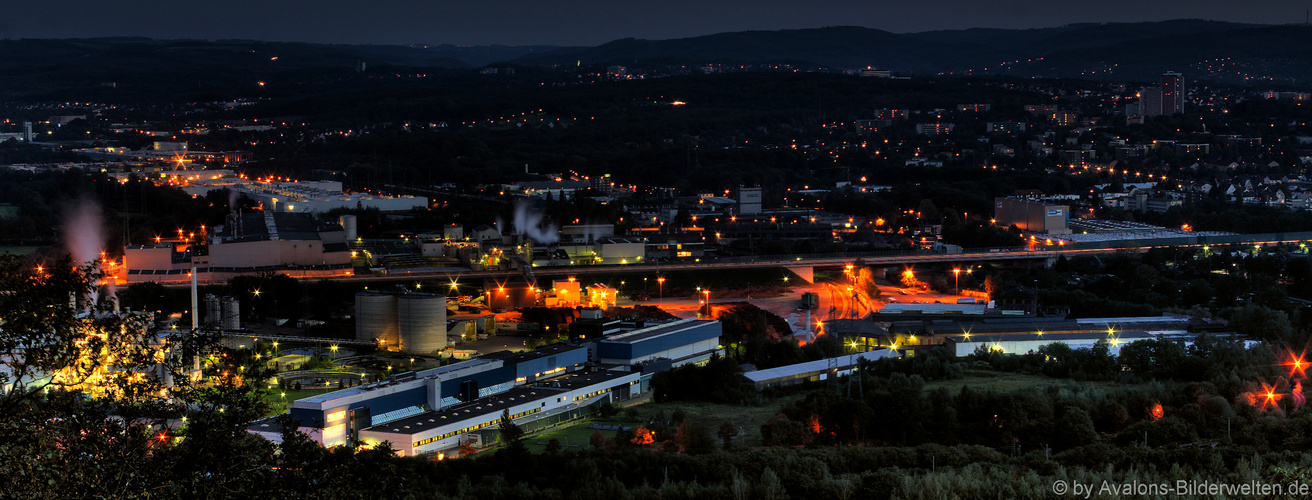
(296, 245)
(434, 410)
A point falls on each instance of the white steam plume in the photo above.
(84, 237)
(83, 232)
(535, 224)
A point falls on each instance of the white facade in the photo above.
(439, 431)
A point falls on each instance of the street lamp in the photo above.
(707, 292)
(785, 285)
(660, 285)
(956, 275)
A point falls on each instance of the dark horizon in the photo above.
(578, 22)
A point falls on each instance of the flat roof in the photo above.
(1021, 324)
(818, 365)
(442, 370)
(902, 307)
(541, 352)
(494, 404)
(854, 326)
(269, 424)
(480, 407)
(579, 380)
(392, 381)
(1050, 337)
(651, 332)
(289, 226)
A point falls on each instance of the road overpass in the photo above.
(803, 264)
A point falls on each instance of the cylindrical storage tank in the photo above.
(231, 313)
(422, 319)
(348, 223)
(375, 318)
(213, 314)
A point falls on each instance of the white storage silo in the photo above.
(349, 226)
(375, 318)
(230, 313)
(422, 322)
(213, 312)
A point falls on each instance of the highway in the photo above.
(886, 259)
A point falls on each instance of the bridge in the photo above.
(804, 264)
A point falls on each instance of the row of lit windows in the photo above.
(473, 428)
(552, 371)
(591, 394)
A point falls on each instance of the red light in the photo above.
(1157, 412)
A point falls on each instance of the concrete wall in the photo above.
(148, 257)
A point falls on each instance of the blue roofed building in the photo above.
(335, 418)
(682, 342)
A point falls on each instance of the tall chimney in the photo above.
(195, 306)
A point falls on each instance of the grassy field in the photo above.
(1000, 381)
(746, 418)
(279, 404)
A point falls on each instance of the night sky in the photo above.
(580, 22)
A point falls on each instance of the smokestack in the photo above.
(195, 306)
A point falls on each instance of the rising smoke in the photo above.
(84, 238)
(535, 224)
(83, 231)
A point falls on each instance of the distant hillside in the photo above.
(1044, 41)
(109, 53)
(1269, 54)
(145, 66)
(1140, 49)
(839, 47)
(119, 69)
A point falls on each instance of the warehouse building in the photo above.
(292, 244)
(335, 418)
(682, 342)
(814, 371)
(555, 377)
(1022, 343)
(477, 422)
(1032, 216)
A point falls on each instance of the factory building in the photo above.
(477, 422)
(335, 418)
(434, 410)
(409, 322)
(267, 239)
(965, 344)
(607, 250)
(749, 200)
(814, 371)
(311, 197)
(568, 293)
(682, 342)
(1032, 216)
(510, 295)
(602, 297)
(292, 244)
(859, 334)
